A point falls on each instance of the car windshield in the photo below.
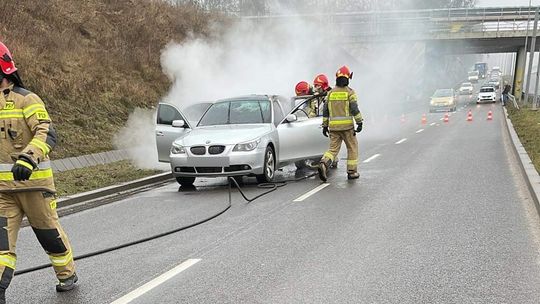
(473, 73)
(237, 112)
(443, 93)
(487, 90)
(466, 85)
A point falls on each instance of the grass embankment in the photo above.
(527, 126)
(91, 178)
(94, 61)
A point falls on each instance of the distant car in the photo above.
(466, 88)
(494, 83)
(487, 94)
(246, 136)
(443, 100)
(473, 76)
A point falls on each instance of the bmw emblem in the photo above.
(207, 142)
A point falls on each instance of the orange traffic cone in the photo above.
(446, 119)
(469, 116)
(402, 118)
(424, 119)
(490, 116)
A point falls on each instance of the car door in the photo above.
(165, 132)
(301, 139)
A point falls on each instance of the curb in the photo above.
(116, 189)
(529, 171)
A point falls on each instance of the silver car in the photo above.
(243, 136)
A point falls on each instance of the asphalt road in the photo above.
(441, 215)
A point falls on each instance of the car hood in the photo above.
(224, 135)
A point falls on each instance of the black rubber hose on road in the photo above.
(272, 187)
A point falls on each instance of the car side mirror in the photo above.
(291, 118)
(179, 124)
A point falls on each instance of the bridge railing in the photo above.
(422, 23)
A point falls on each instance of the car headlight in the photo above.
(248, 146)
(177, 149)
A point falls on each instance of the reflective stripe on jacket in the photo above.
(341, 109)
(25, 129)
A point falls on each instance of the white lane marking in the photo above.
(420, 131)
(156, 282)
(432, 124)
(401, 141)
(441, 119)
(310, 193)
(371, 158)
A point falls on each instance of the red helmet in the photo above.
(344, 72)
(7, 65)
(321, 81)
(302, 88)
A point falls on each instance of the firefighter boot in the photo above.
(353, 175)
(2, 296)
(323, 168)
(67, 284)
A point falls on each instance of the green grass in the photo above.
(527, 126)
(95, 177)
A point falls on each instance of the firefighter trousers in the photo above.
(40, 209)
(336, 138)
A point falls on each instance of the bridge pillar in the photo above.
(519, 72)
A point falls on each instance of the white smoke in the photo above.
(251, 57)
(246, 59)
(138, 139)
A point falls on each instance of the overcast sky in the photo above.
(506, 2)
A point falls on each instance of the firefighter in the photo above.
(303, 88)
(339, 114)
(321, 85)
(26, 179)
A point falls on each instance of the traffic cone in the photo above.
(490, 116)
(446, 119)
(424, 119)
(402, 118)
(469, 116)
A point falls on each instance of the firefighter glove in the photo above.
(22, 169)
(359, 127)
(325, 131)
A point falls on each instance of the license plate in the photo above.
(209, 161)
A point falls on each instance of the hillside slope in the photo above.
(94, 61)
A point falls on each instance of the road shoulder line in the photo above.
(156, 282)
(532, 177)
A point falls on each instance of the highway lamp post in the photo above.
(531, 56)
(524, 66)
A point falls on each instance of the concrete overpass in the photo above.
(449, 31)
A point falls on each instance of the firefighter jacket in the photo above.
(341, 109)
(25, 130)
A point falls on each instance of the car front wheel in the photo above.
(269, 167)
(186, 181)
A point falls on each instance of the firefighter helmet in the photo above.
(321, 81)
(7, 65)
(344, 72)
(302, 88)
